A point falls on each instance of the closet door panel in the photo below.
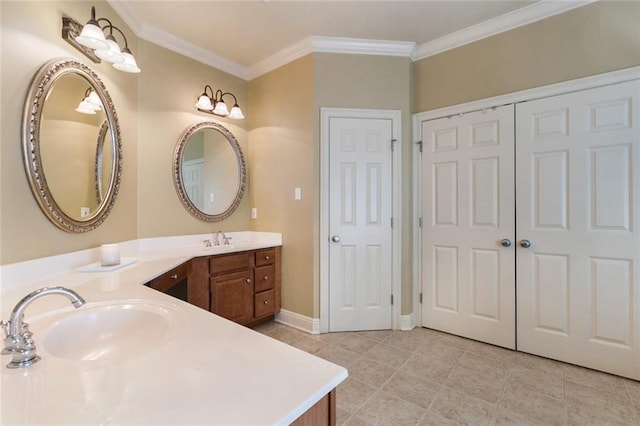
(468, 275)
(578, 175)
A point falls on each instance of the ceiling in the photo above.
(237, 35)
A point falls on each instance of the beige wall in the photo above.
(168, 91)
(30, 38)
(281, 157)
(375, 82)
(154, 108)
(280, 137)
(284, 130)
(601, 37)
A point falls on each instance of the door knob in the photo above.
(506, 242)
(525, 243)
(335, 238)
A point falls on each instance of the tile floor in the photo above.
(425, 377)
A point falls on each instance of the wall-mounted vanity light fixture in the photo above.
(90, 103)
(91, 41)
(214, 104)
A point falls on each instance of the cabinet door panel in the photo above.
(232, 296)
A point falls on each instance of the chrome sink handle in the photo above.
(225, 239)
(19, 340)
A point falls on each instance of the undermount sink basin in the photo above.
(108, 333)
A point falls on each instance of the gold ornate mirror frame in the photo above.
(41, 86)
(179, 181)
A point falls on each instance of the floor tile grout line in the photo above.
(511, 366)
(634, 411)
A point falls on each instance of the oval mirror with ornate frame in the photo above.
(209, 171)
(72, 155)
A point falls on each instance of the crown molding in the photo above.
(283, 57)
(316, 44)
(517, 18)
(358, 46)
(173, 43)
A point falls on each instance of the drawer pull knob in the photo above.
(174, 276)
(267, 258)
(266, 277)
(248, 280)
(266, 302)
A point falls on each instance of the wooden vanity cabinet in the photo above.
(245, 286)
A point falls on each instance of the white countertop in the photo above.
(205, 370)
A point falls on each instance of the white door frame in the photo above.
(323, 238)
(590, 82)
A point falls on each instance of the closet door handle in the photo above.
(335, 238)
(506, 242)
(525, 243)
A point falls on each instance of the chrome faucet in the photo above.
(225, 239)
(18, 339)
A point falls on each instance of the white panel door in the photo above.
(578, 183)
(193, 180)
(360, 205)
(468, 271)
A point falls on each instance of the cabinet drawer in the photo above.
(230, 263)
(265, 277)
(265, 257)
(169, 278)
(264, 303)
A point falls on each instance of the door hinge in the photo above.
(419, 143)
(392, 299)
(420, 298)
(393, 144)
(420, 221)
(392, 222)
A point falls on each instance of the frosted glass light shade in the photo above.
(204, 103)
(92, 36)
(128, 65)
(112, 54)
(86, 108)
(236, 113)
(94, 100)
(221, 109)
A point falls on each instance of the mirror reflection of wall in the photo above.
(68, 147)
(210, 171)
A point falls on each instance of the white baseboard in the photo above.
(407, 322)
(301, 322)
(312, 325)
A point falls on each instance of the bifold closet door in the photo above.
(468, 228)
(578, 219)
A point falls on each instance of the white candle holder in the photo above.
(109, 254)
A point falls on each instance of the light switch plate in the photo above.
(297, 193)
(254, 213)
